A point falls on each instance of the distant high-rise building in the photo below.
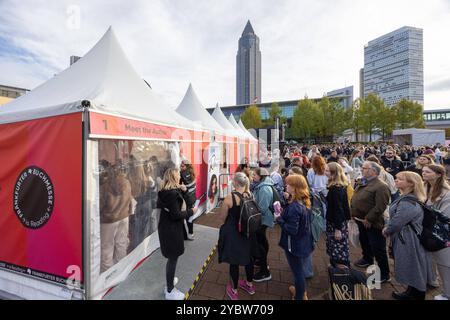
(361, 83)
(393, 66)
(248, 68)
(345, 95)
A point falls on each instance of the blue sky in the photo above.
(308, 46)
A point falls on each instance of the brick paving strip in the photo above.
(212, 282)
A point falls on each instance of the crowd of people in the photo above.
(382, 188)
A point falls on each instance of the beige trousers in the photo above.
(114, 243)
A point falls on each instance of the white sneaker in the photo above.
(175, 281)
(190, 236)
(175, 294)
(440, 297)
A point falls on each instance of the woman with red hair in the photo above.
(317, 179)
(296, 238)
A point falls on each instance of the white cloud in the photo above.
(308, 47)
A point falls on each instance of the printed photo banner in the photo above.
(41, 198)
(214, 156)
(104, 125)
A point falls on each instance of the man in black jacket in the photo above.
(333, 157)
(391, 163)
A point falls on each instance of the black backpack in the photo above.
(276, 197)
(435, 228)
(250, 216)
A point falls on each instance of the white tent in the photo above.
(419, 137)
(95, 116)
(241, 125)
(230, 130)
(235, 125)
(191, 108)
(114, 87)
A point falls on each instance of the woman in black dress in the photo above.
(338, 213)
(234, 248)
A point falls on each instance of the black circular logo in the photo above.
(34, 197)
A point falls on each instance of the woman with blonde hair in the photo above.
(234, 248)
(170, 227)
(421, 162)
(406, 215)
(438, 196)
(296, 238)
(338, 213)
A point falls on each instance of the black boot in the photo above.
(416, 294)
(404, 295)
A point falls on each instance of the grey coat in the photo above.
(410, 257)
(442, 203)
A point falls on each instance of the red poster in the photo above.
(41, 197)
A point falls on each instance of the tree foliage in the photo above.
(251, 118)
(409, 114)
(274, 113)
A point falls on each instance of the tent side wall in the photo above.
(128, 144)
(41, 204)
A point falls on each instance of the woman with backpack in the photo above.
(438, 196)
(338, 213)
(296, 238)
(233, 247)
(264, 198)
(409, 255)
(170, 227)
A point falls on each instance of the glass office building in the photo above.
(393, 66)
(436, 115)
(287, 108)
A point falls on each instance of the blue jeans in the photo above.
(297, 269)
(307, 267)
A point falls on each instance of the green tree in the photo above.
(409, 114)
(333, 117)
(274, 113)
(305, 120)
(251, 117)
(386, 120)
(353, 116)
(368, 110)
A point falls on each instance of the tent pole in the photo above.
(86, 235)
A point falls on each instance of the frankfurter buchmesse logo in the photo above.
(34, 197)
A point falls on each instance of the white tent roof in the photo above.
(241, 125)
(236, 126)
(191, 108)
(105, 77)
(222, 120)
